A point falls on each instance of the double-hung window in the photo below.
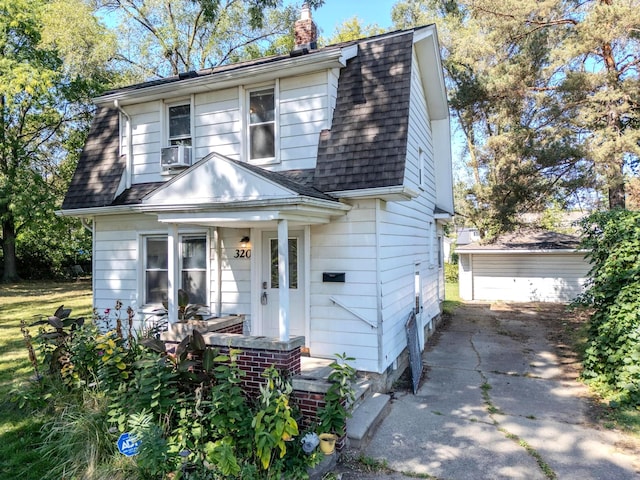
(262, 124)
(156, 270)
(193, 268)
(179, 124)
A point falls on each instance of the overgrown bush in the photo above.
(49, 249)
(612, 356)
(451, 272)
(185, 405)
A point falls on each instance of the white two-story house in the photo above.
(326, 172)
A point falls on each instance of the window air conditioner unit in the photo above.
(176, 156)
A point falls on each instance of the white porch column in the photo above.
(283, 274)
(173, 273)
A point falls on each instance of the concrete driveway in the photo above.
(497, 403)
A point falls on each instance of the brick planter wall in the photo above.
(259, 353)
(309, 395)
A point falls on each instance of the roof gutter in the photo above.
(398, 193)
(234, 76)
(209, 206)
(129, 167)
(520, 250)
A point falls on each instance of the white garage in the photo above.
(525, 266)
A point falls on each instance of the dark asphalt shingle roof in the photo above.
(367, 144)
(365, 148)
(100, 165)
(136, 193)
(527, 239)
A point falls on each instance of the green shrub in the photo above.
(612, 354)
(186, 406)
(451, 272)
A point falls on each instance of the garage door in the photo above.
(528, 277)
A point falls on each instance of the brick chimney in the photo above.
(306, 31)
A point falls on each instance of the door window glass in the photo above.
(293, 263)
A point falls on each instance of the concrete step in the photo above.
(365, 419)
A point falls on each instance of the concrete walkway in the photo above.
(495, 405)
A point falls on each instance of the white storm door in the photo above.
(270, 285)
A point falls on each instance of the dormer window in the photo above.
(180, 124)
(262, 124)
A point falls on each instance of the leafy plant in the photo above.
(612, 354)
(55, 340)
(451, 272)
(186, 309)
(153, 459)
(273, 424)
(83, 363)
(339, 397)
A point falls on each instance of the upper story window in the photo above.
(180, 124)
(262, 124)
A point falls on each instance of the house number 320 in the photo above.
(243, 253)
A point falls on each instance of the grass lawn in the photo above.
(20, 429)
(451, 297)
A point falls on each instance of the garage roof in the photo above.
(525, 240)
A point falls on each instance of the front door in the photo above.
(270, 285)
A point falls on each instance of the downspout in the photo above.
(85, 223)
(129, 169)
(379, 331)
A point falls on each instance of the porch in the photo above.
(309, 375)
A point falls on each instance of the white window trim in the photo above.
(245, 92)
(142, 294)
(422, 169)
(165, 119)
(207, 260)
(142, 248)
(432, 257)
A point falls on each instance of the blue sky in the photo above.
(335, 12)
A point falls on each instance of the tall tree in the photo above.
(353, 29)
(44, 92)
(159, 38)
(529, 95)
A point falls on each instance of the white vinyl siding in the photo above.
(305, 106)
(147, 141)
(420, 168)
(217, 124)
(526, 277)
(116, 269)
(303, 114)
(346, 245)
(236, 273)
(119, 270)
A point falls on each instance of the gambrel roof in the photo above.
(371, 119)
(366, 147)
(95, 181)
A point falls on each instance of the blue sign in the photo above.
(128, 445)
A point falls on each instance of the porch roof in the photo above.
(219, 191)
